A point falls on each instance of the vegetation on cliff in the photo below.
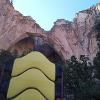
(82, 78)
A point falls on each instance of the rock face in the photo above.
(77, 37)
(14, 26)
(67, 38)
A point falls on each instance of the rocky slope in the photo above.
(67, 38)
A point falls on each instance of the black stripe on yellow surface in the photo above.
(32, 68)
(26, 90)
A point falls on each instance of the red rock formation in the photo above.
(77, 37)
(68, 38)
(14, 26)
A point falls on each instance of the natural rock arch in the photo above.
(68, 38)
(34, 43)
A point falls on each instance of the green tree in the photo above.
(5, 56)
(6, 63)
(97, 65)
(78, 78)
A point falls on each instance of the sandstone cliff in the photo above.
(67, 38)
(14, 26)
(77, 37)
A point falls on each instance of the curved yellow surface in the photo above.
(32, 78)
(36, 60)
(29, 95)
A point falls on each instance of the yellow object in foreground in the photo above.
(33, 78)
(30, 94)
(34, 60)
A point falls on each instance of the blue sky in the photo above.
(45, 12)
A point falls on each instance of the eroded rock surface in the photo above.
(77, 37)
(14, 26)
(67, 38)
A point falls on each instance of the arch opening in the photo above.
(35, 43)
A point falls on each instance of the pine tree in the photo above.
(78, 78)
